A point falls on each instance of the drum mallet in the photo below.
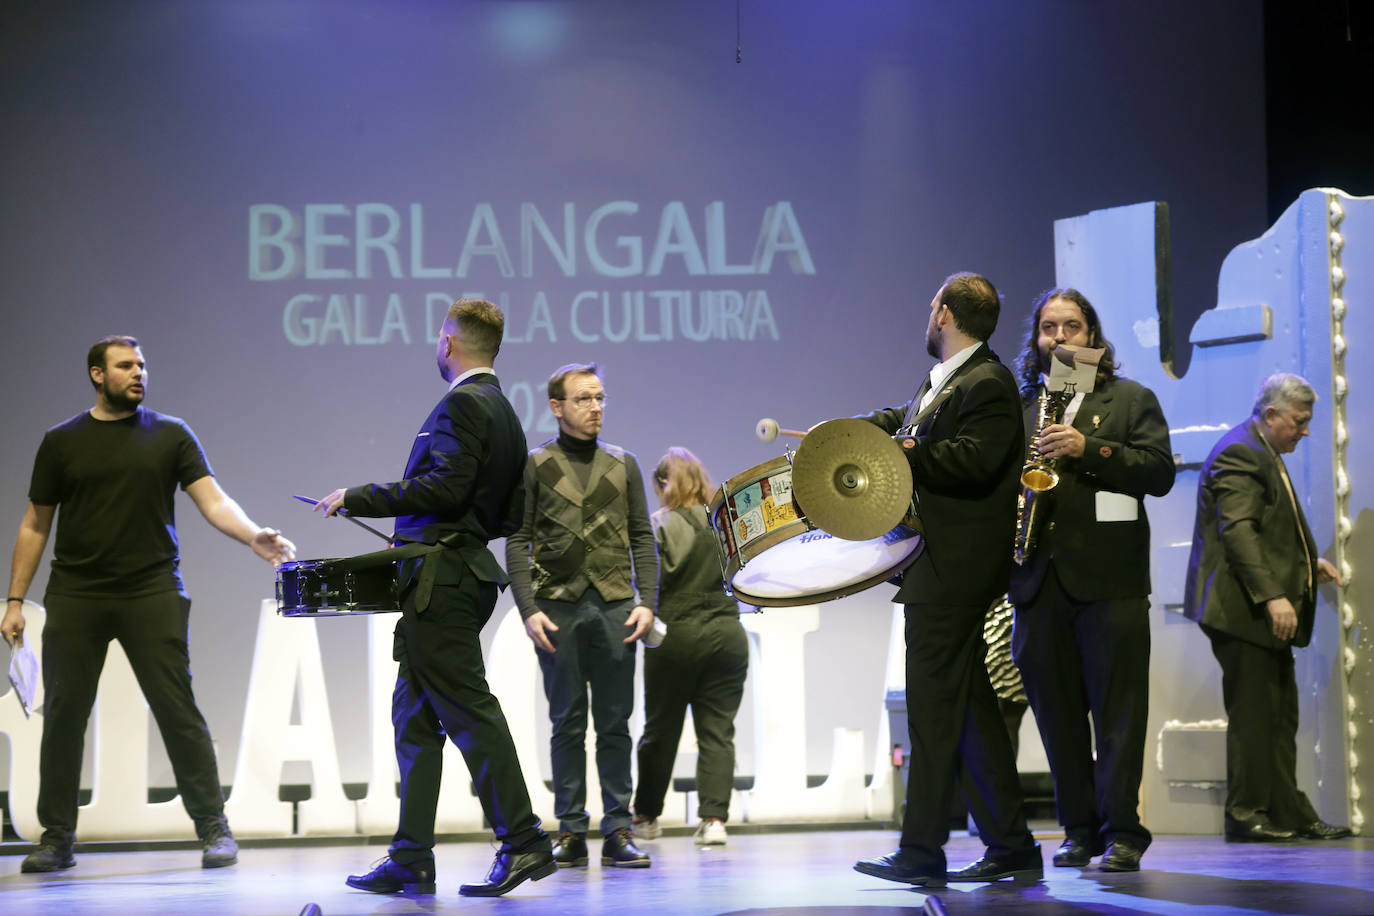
(768, 430)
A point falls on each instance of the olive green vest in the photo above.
(580, 539)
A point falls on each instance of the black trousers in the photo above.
(441, 692)
(1260, 691)
(591, 653)
(152, 629)
(958, 737)
(1082, 660)
(702, 664)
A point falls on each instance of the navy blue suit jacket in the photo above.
(463, 482)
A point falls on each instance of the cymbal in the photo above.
(851, 479)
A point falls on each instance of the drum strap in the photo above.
(910, 423)
(915, 418)
(474, 552)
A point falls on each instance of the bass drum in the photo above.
(771, 556)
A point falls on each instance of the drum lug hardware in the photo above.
(348, 589)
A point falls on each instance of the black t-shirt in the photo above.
(114, 483)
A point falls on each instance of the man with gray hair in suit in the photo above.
(1251, 585)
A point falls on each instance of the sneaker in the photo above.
(710, 833)
(217, 843)
(647, 827)
(48, 857)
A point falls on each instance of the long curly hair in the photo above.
(1028, 367)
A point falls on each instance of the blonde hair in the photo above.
(681, 480)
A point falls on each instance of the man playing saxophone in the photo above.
(1082, 634)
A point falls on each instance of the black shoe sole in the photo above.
(218, 863)
(46, 869)
(1231, 838)
(571, 863)
(888, 875)
(1019, 876)
(636, 863)
(408, 889)
(489, 890)
(1075, 862)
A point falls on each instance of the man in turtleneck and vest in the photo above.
(585, 547)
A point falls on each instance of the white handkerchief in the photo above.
(24, 675)
(1116, 507)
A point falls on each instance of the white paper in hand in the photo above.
(24, 675)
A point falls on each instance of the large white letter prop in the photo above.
(780, 790)
(380, 810)
(880, 790)
(24, 736)
(287, 653)
(119, 808)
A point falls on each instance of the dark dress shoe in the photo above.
(1321, 830)
(391, 877)
(509, 869)
(1076, 852)
(619, 851)
(1122, 855)
(570, 851)
(47, 857)
(1022, 865)
(1255, 831)
(898, 867)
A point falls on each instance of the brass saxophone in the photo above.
(1038, 475)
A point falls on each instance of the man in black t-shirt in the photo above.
(114, 471)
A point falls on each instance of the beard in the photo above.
(933, 340)
(120, 400)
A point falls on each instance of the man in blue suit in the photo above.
(462, 487)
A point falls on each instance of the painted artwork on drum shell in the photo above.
(762, 507)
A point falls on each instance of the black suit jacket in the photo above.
(463, 481)
(965, 459)
(1248, 544)
(1126, 451)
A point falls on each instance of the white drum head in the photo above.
(820, 566)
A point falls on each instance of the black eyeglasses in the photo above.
(585, 400)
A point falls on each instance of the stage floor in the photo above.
(759, 871)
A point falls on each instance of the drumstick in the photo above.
(343, 513)
(768, 430)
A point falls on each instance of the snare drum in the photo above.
(335, 587)
(773, 557)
